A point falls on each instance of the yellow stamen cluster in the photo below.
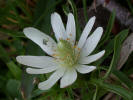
(66, 54)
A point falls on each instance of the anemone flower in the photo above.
(65, 57)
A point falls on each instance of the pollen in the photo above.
(75, 46)
(54, 55)
(68, 38)
(79, 49)
(70, 34)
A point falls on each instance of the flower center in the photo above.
(67, 54)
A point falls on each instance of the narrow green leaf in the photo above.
(95, 94)
(130, 5)
(117, 46)
(127, 95)
(66, 9)
(123, 78)
(85, 10)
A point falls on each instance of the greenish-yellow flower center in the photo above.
(66, 53)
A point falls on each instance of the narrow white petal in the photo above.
(41, 71)
(70, 28)
(58, 26)
(52, 79)
(68, 78)
(92, 58)
(43, 40)
(92, 42)
(37, 61)
(86, 32)
(85, 69)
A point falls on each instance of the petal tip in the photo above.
(28, 70)
(93, 18)
(64, 86)
(54, 14)
(101, 28)
(42, 86)
(19, 58)
(103, 52)
(70, 14)
(27, 29)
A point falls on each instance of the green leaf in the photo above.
(27, 85)
(95, 94)
(127, 95)
(117, 46)
(14, 69)
(123, 78)
(130, 5)
(13, 87)
(85, 10)
(66, 9)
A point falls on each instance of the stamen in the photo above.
(75, 46)
(54, 55)
(79, 49)
(67, 55)
(68, 38)
(70, 34)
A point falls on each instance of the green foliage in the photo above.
(114, 88)
(117, 46)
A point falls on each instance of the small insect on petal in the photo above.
(45, 41)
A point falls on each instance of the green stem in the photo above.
(95, 94)
(85, 10)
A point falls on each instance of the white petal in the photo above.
(86, 32)
(92, 42)
(92, 58)
(37, 61)
(52, 79)
(70, 28)
(43, 40)
(68, 78)
(85, 69)
(41, 71)
(58, 26)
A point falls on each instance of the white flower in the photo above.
(66, 58)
